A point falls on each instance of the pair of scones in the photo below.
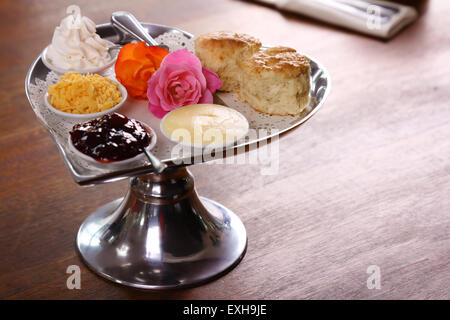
(274, 80)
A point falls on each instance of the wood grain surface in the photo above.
(365, 182)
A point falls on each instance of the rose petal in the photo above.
(156, 110)
(200, 78)
(163, 76)
(176, 70)
(182, 56)
(172, 72)
(194, 93)
(186, 72)
(212, 80)
(167, 99)
(159, 93)
(179, 91)
(169, 72)
(168, 106)
(207, 97)
(185, 85)
(151, 91)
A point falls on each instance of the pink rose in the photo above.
(180, 81)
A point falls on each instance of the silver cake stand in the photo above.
(161, 235)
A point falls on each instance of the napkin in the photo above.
(381, 19)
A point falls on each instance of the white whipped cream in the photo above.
(76, 46)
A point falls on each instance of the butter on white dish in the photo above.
(77, 47)
(202, 125)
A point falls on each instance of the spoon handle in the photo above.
(126, 22)
(156, 163)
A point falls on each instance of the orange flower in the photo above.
(135, 64)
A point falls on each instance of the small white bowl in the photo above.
(48, 63)
(84, 116)
(120, 162)
(201, 146)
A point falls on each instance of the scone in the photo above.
(223, 52)
(276, 81)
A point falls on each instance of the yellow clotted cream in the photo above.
(204, 125)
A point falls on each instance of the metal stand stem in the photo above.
(161, 235)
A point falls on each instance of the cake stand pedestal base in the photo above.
(161, 235)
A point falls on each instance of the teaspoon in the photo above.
(127, 23)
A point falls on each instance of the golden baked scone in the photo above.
(222, 52)
(276, 81)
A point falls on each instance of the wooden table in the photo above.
(365, 182)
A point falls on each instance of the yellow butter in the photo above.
(204, 124)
